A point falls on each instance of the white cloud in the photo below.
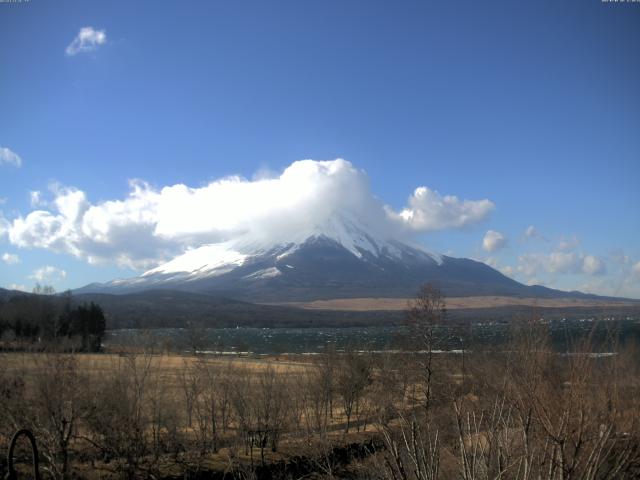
(568, 244)
(491, 261)
(429, 211)
(10, 258)
(495, 263)
(564, 262)
(87, 40)
(36, 200)
(507, 270)
(618, 257)
(18, 286)
(558, 262)
(530, 264)
(493, 241)
(8, 157)
(636, 269)
(48, 274)
(151, 225)
(4, 225)
(592, 265)
(531, 232)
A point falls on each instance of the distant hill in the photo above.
(175, 309)
(164, 308)
(6, 294)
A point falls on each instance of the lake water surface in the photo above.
(564, 334)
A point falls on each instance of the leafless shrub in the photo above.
(353, 378)
(119, 418)
(212, 402)
(314, 391)
(58, 405)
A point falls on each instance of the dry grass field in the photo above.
(453, 303)
(96, 364)
(205, 412)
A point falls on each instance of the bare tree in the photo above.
(58, 406)
(189, 380)
(354, 376)
(314, 391)
(119, 417)
(412, 451)
(162, 410)
(242, 403)
(212, 403)
(196, 336)
(426, 312)
(272, 408)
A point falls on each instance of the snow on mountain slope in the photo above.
(338, 258)
(217, 259)
(205, 260)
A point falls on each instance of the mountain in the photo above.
(7, 294)
(341, 258)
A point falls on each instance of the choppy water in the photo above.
(313, 340)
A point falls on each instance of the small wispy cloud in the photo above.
(493, 241)
(495, 263)
(592, 265)
(10, 258)
(87, 40)
(36, 200)
(48, 274)
(4, 226)
(568, 244)
(9, 157)
(559, 262)
(531, 232)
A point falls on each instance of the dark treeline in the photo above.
(45, 320)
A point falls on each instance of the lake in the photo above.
(270, 341)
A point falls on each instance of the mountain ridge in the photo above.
(320, 269)
(339, 257)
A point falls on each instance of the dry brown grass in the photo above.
(98, 363)
(527, 381)
(453, 303)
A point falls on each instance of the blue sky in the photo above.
(532, 105)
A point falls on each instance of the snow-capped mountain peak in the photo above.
(220, 258)
(337, 258)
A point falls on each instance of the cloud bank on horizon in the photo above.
(152, 225)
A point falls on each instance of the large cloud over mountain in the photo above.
(151, 225)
